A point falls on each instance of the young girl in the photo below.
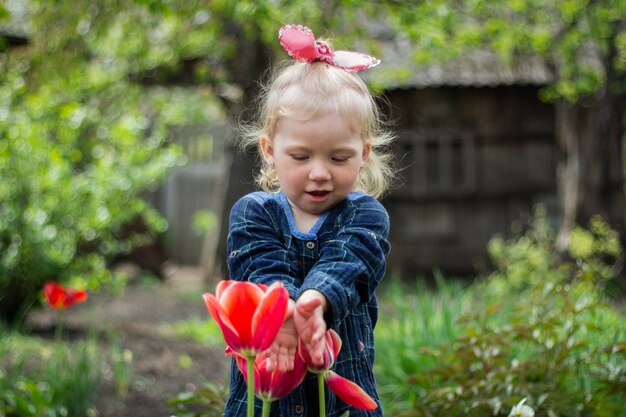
(317, 226)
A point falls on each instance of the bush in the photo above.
(81, 138)
(560, 344)
(71, 178)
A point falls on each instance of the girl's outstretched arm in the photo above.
(353, 262)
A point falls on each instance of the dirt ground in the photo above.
(161, 366)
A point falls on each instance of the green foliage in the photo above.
(414, 321)
(580, 42)
(71, 178)
(39, 378)
(208, 401)
(120, 363)
(204, 222)
(560, 344)
(78, 144)
(202, 43)
(50, 379)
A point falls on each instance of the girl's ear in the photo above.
(366, 151)
(267, 149)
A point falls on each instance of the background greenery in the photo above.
(60, 378)
(85, 107)
(80, 141)
(86, 103)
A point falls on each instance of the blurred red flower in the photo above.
(61, 298)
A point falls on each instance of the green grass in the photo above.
(43, 378)
(46, 378)
(414, 321)
(202, 330)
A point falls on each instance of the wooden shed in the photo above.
(475, 152)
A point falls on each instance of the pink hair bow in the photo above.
(299, 42)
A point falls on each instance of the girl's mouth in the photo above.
(317, 195)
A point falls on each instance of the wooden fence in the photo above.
(197, 186)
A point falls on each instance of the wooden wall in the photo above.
(197, 185)
(472, 162)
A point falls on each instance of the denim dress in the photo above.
(343, 256)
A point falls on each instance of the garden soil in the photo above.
(139, 321)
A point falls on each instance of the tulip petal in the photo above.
(239, 302)
(55, 295)
(222, 286)
(349, 392)
(331, 340)
(75, 296)
(231, 336)
(269, 316)
(304, 353)
(335, 341)
(282, 383)
(238, 294)
(240, 360)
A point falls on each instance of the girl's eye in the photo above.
(340, 158)
(299, 157)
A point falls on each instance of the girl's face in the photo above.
(317, 161)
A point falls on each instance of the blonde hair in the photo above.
(306, 90)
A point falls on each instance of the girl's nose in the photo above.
(319, 172)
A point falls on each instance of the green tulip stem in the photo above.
(266, 408)
(320, 388)
(250, 366)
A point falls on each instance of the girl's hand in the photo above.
(309, 321)
(281, 354)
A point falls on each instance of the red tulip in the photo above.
(271, 386)
(348, 391)
(61, 298)
(248, 314)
